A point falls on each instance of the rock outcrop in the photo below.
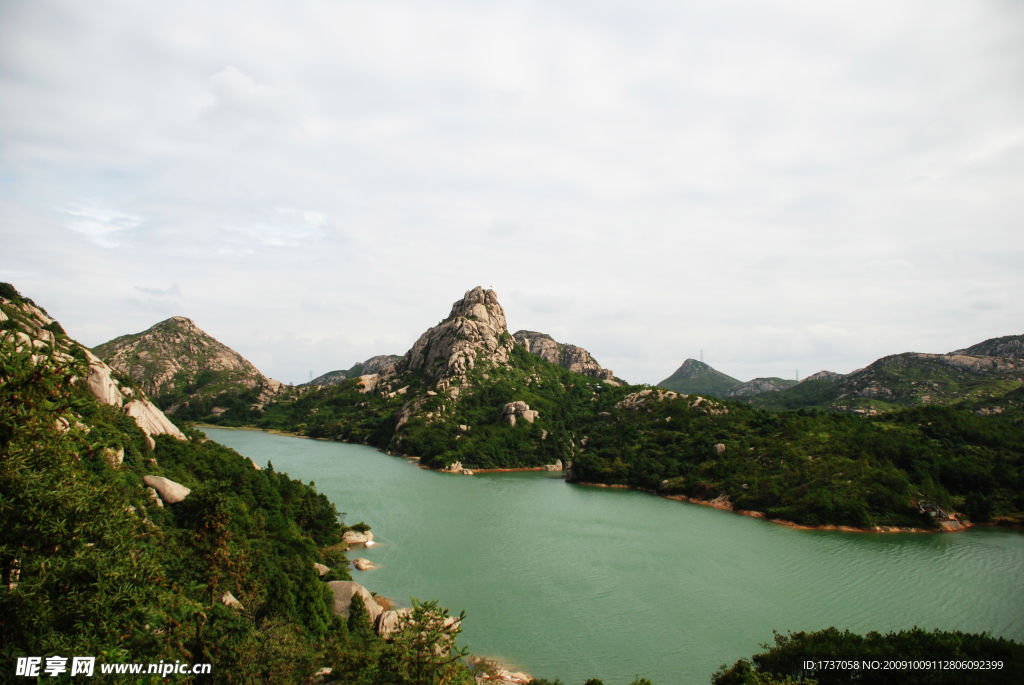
(354, 537)
(571, 357)
(344, 590)
(475, 330)
(521, 409)
(169, 491)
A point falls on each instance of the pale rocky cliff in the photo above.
(571, 357)
(173, 353)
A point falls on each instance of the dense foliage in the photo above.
(786, 659)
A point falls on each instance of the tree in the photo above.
(423, 650)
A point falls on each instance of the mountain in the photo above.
(571, 357)
(698, 378)
(185, 368)
(758, 386)
(370, 366)
(907, 380)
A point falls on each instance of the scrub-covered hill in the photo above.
(697, 377)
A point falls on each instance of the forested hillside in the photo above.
(95, 563)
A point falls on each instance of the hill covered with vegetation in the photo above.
(697, 377)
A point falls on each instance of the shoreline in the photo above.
(791, 524)
(962, 526)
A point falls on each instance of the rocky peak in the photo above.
(175, 350)
(571, 357)
(475, 330)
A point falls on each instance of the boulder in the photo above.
(344, 590)
(354, 537)
(169, 491)
(558, 465)
(719, 448)
(530, 415)
(321, 569)
(363, 564)
(230, 600)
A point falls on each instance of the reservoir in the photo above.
(581, 582)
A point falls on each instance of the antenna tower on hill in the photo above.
(702, 356)
(798, 375)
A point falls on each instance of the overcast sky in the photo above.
(783, 185)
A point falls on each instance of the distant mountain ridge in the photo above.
(370, 366)
(697, 377)
(910, 379)
(758, 386)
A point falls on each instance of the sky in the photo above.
(786, 187)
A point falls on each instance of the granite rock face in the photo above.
(474, 330)
(571, 357)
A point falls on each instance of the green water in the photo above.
(578, 582)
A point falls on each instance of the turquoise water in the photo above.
(579, 582)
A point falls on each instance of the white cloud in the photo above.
(785, 184)
(101, 225)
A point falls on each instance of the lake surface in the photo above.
(580, 582)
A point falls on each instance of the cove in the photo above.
(579, 582)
